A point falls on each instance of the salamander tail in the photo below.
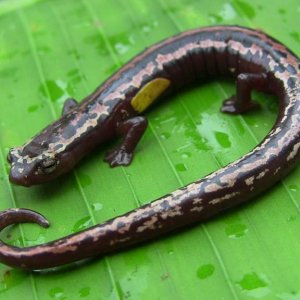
(21, 215)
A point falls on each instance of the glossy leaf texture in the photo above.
(51, 50)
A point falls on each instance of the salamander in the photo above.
(115, 109)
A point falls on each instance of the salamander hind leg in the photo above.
(131, 130)
(242, 102)
(69, 104)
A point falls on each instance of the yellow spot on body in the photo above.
(148, 93)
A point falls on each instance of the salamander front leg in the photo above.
(131, 130)
(241, 102)
(69, 104)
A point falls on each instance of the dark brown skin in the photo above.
(254, 59)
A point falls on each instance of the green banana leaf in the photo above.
(54, 49)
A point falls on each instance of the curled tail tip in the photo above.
(21, 215)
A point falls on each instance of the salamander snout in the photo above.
(17, 173)
(16, 177)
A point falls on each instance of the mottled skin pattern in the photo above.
(255, 60)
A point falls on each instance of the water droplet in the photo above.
(97, 206)
(228, 12)
(187, 11)
(33, 108)
(11, 278)
(39, 240)
(58, 90)
(212, 132)
(252, 281)
(121, 48)
(155, 23)
(292, 218)
(146, 28)
(293, 188)
(165, 135)
(84, 292)
(282, 11)
(215, 18)
(53, 90)
(82, 224)
(97, 43)
(295, 35)
(248, 10)
(205, 271)
(57, 293)
(223, 139)
(73, 72)
(180, 167)
(236, 230)
(185, 155)
(75, 76)
(85, 179)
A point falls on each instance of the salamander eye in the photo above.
(48, 165)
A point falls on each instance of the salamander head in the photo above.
(29, 170)
(40, 160)
(56, 149)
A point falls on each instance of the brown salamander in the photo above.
(254, 59)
